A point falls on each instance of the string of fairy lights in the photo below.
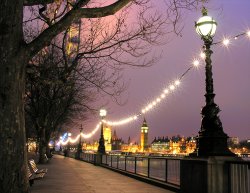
(168, 90)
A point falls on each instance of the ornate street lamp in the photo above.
(212, 141)
(79, 148)
(69, 136)
(101, 147)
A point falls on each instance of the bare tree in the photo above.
(50, 100)
(15, 54)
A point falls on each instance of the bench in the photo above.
(35, 169)
(46, 158)
(34, 176)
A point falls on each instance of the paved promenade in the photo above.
(67, 175)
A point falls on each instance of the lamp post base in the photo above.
(213, 144)
(212, 141)
(101, 147)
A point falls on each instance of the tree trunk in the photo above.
(47, 140)
(42, 146)
(13, 154)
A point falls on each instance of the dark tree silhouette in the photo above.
(15, 54)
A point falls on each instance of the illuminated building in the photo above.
(144, 136)
(107, 134)
(73, 38)
(233, 140)
(174, 145)
(190, 145)
(32, 145)
(132, 147)
(160, 144)
(116, 142)
(91, 146)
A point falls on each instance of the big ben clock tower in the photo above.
(144, 136)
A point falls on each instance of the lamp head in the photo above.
(206, 25)
(103, 113)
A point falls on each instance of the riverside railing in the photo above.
(164, 169)
(167, 169)
(239, 177)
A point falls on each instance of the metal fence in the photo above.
(164, 169)
(239, 177)
(167, 169)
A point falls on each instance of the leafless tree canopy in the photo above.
(121, 39)
(108, 44)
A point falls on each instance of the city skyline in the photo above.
(180, 113)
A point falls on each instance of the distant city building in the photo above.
(90, 146)
(233, 140)
(174, 145)
(32, 145)
(144, 136)
(132, 147)
(107, 134)
(116, 142)
(160, 144)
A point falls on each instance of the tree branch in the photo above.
(36, 2)
(47, 35)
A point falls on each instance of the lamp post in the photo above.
(212, 141)
(79, 148)
(101, 147)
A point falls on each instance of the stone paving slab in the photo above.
(67, 175)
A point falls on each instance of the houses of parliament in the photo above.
(173, 145)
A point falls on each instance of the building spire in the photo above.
(144, 123)
(114, 137)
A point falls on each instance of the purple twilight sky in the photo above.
(180, 112)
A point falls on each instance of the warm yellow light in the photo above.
(202, 55)
(166, 91)
(248, 33)
(177, 82)
(172, 87)
(196, 63)
(206, 25)
(163, 96)
(226, 42)
(74, 140)
(103, 112)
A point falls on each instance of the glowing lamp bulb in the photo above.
(248, 33)
(202, 55)
(103, 113)
(196, 63)
(166, 91)
(172, 87)
(177, 82)
(226, 42)
(206, 25)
